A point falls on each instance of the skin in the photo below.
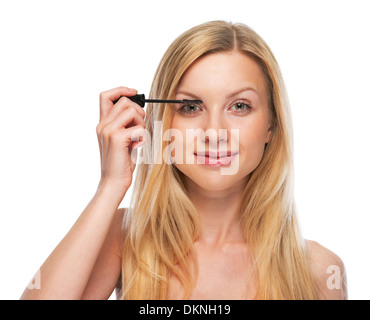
(87, 262)
(220, 80)
(220, 252)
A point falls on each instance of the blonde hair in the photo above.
(161, 223)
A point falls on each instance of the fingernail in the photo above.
(139, 145)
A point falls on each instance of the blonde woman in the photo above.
(212, 215)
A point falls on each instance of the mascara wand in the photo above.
(140, 100)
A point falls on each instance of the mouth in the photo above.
(215, 159)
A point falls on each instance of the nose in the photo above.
(215, 129)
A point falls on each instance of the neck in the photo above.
(219, 213)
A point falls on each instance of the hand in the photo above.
(121, 129)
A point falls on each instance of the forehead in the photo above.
(224, 71)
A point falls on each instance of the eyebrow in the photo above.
(188, 94)
(235, 93)
(242, 90)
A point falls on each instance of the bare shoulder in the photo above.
(328, 271)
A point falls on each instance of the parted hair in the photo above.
(161, 222)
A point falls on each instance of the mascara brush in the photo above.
(140, 100)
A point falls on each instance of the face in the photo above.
(226, 134)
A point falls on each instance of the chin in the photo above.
(210, 180)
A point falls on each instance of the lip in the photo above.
(215, 155)
(215, 159)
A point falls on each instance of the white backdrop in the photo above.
(57, 56)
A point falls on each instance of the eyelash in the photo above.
(184, 106)
(248, 107)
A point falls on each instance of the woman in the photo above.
(221, 227)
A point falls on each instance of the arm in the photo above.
(107, 268)
(66, 272)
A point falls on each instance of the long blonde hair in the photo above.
(161, 223)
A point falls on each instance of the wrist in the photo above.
(112, 191)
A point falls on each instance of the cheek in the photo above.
(182, 140)
(252, 145)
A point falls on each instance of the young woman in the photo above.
(212, 214)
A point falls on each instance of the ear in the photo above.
(268, 135)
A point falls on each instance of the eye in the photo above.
(189, 108)
(241, 106)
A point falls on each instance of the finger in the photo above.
(137, 135)
(123, 101)
(122, 104)
(106, 98)
(126, 119)
(132, 136)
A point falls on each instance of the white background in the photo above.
(57, 56)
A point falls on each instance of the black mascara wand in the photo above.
(140, 100)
